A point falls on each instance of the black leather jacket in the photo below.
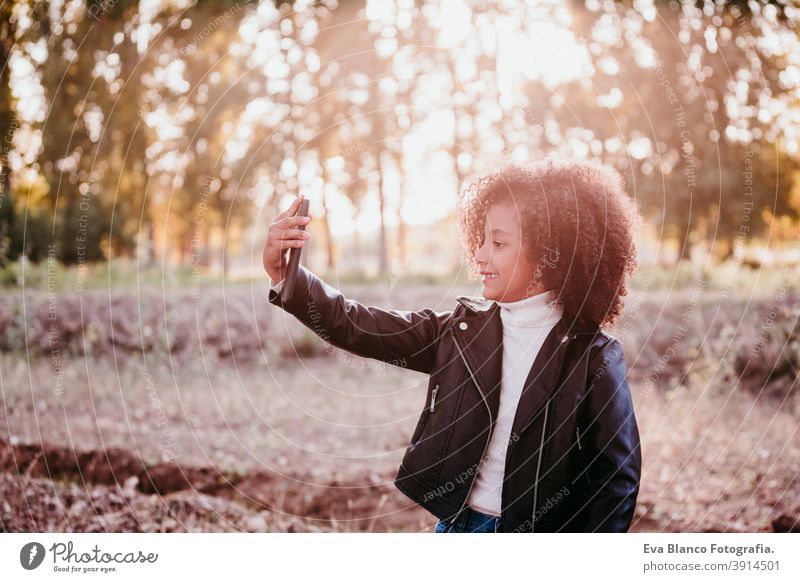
(573, 462)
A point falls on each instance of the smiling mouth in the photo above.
(489, 276)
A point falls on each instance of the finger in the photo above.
(294, 233)
(292, 210)
(288, 244)
(293, 221)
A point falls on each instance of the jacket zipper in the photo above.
(524, 428)
(488, 436)
(541, 448)
(538, 467)
(433, 397)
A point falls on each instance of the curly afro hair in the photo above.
(578, 228)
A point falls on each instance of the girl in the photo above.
(528, 423)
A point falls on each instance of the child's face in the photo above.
(507, 274)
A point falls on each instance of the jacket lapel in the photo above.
(543, 377)
(480, 335)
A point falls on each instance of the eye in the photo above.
(496, 243)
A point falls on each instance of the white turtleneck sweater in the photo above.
(526, 324)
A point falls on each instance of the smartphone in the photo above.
(294, 257)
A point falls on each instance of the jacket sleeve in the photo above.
(407, 339)
(612, 441)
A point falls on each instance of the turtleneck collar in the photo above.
(537, 311)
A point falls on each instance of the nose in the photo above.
(482, 255)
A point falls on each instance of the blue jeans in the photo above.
(471, 521)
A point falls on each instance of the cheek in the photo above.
(503, 262)
(516, 266)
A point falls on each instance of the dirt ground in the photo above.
(313, 445)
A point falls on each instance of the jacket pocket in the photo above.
(426, 414)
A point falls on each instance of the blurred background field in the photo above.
(148, 385)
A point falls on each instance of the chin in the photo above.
(490, 294)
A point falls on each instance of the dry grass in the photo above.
(312, 443)
(716, 462)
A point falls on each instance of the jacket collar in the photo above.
(478, 332)
(481, 306)
(476, 304)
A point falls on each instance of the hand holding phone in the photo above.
(287, 232)
(294, 257)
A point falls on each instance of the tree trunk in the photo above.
(383, 261)
(401, 225)
(326, 227)
(6, 213)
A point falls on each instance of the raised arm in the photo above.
(613, 451)
(406, 339)
(403, 338)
